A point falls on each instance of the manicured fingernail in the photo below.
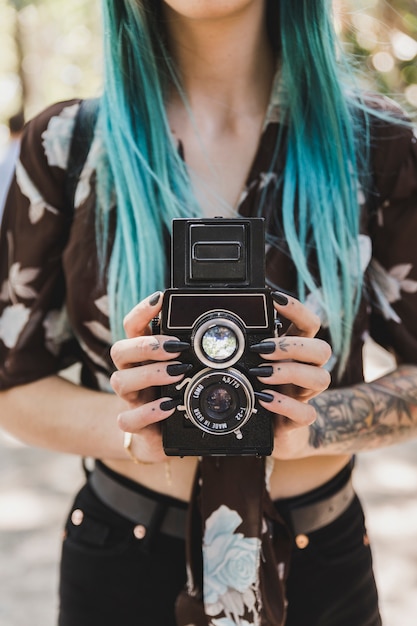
(265, 347)
(264, 371)
(168, 405)
(172, 346)
(265, 397)
(175, 369)
(279, 298)
(154, 298)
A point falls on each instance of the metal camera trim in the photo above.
(207, 374)
(201, 327)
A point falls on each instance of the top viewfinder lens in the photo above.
(219, 343)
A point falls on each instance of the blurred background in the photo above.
(51, 50)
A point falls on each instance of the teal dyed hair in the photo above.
(150, 182)
(142, 171)
(326, 148)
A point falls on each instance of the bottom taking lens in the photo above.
(219, 401)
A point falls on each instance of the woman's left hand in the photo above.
(293, 362)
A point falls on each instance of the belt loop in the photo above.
(85, 467)
(154, 525)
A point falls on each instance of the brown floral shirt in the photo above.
(53, 305)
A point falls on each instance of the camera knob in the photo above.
(277, 326)
(155, 325)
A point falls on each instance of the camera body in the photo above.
(219, 304)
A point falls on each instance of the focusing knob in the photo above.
(155, 325)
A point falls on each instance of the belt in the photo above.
(137, 507)
(171, 519)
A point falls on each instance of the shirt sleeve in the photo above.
(35, 337)
(393, 269)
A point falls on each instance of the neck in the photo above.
(225, 63)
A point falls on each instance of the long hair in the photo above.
(326, 148)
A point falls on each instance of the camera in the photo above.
(219, 304)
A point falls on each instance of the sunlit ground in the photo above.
(36, 488)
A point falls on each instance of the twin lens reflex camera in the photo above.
(219, 304)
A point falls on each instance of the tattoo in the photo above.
(155, 345)
(283, 345)
(368, 415)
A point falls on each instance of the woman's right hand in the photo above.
(141, 366)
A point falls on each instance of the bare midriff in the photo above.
(175, 476)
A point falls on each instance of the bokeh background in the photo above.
(51, 50)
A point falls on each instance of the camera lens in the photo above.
(219, 343)
(219, 402)
(218, 339)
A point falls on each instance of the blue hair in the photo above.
(142, 171)
(326, 148)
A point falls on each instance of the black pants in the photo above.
(111, 578)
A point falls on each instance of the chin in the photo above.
(209, 9)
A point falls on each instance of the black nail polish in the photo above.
(175, 369)
(264, 371)
(265, 397)
(279, 298)
(167, 405)
(172, 346)
(154, 298)
(265, 347)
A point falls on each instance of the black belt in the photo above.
(144, 510)
(137, 507)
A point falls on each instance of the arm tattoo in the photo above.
(368, 415)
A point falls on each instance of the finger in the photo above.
(309, 377)
(138, 319)
(144, 422)
(141, 417)
(303, 321)
(301, 349)
(129, 382)
(299, 413)
(128, 352)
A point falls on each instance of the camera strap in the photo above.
(236, 566)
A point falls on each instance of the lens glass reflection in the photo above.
(219, 343)
(219, 401)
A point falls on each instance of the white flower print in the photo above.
(103, 304)
(103, 382)
(37, 204)
(99, 331)
(12, 321)
(230, 565)
(57, 330)
(56, 139)
(83, 189)
(17, 284)
(226, 621)
(388, 285)
(19, 279)
(98, 360)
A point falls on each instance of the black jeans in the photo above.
(111, 578)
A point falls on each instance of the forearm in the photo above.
(366, 416)
(54, 413)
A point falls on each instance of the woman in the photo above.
(210, 108)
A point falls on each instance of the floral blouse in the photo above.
(54, 313)
(53, 306)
